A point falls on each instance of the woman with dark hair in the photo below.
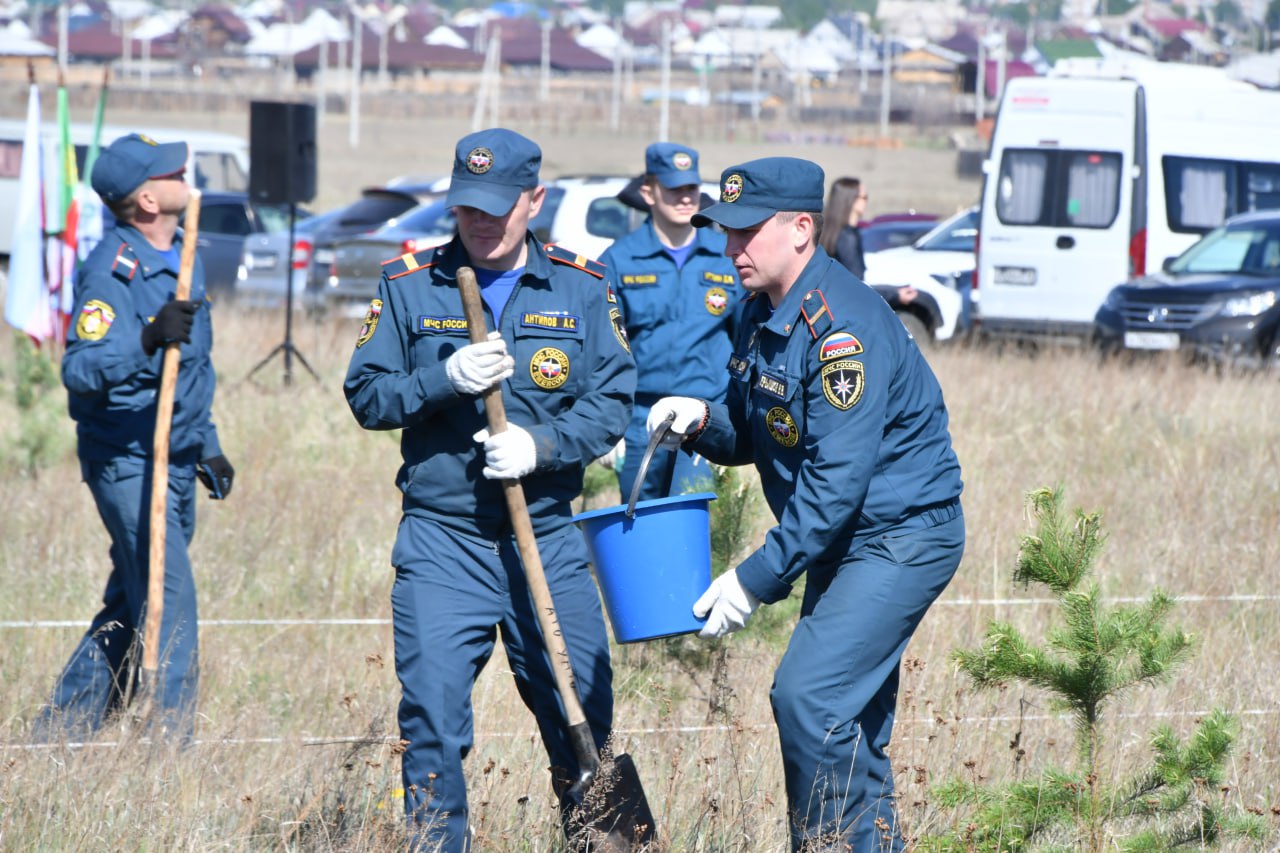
(846, 202)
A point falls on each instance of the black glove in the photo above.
(172, 324)
(217, 475)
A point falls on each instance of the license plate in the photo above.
(262, 261)
(323, 256)
(1021, 276)
(1151, 340)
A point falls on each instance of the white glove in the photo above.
(613, 459)
(689, 415)
(478, 367)
(508, 455)
(726, 605)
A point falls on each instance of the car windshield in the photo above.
(888, 235)
(432, 218)
(957, 234)
(375, 208)
(275, 217)
(1250, 248)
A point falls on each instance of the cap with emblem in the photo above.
(752, 192)
(490, 170)
(673, 165)
(127, 163)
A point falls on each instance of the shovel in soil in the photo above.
(608, 807)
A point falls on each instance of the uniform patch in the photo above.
(441, 325)
(549, 368)
(716, 300)
(774, 386)
(95, 320)
(842, 383)
(732, 188)
(370, 324)
(608, 289)
(634, 280)
(619, 330)
(479, 161)
(549, 320)
(682, 161)
(717, 277)
(839, 345)
(782, 426)
(738, 366)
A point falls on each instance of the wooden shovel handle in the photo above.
(160, 449)
(473, 310)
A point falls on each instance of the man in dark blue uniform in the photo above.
(833, 402)
(561, 355)
(125, 312)
(678, 294)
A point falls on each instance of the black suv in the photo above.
(1219, 299)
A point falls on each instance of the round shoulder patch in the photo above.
(732, 188)
(782, 427)
(370, 324)
(549, 368)
(95, 320)
(716, 300)
(479, 161)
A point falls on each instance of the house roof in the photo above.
(1168, 28)
(1054, 49)
(98, 42)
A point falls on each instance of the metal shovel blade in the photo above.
(613, 814)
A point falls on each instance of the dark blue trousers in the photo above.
(836, 689)
(675, 471)
(96, 679)
(453, 593)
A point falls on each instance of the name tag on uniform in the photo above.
(633, 280)
(738, 366)
(773, 385)
(717, 278)
(550, 321)
(441, 325)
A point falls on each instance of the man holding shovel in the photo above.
(561, 358)
(833, 402)
(125, 314)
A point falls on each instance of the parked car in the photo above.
(1220, 299)
(261, 275)
(944, 255)
(890, 230)
(227, 219)
(581, 213)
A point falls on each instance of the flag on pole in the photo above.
(26, 305)
(89, 230)
(60, 284)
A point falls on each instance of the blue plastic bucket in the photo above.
(651, 568)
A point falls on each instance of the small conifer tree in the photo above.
(1097, 655)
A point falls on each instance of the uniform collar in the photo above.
(151, 259)
(453, 255)
(787, 315)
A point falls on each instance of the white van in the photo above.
(218, 161)
(1104, 169)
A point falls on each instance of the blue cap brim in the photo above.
(493, 199)
(732, 215)
(671, 180)
(171, 158)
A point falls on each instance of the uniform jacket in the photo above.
(680, 321)
(112, 384)
(572, 389)
(845, 421)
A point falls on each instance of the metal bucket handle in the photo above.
(656, 439)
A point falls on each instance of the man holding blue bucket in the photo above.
(561, 357)
(831, 399)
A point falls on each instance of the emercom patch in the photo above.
(842, 383)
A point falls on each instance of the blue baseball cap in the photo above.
(752, 192)
(131, 160)
(490, 170)
(673, 165)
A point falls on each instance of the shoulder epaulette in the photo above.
(817, 316)
(408, 262)
(125, 264)
(582, 262)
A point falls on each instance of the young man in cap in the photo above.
(560, 353)
(125, 314)
(678, 294)
(833, 402)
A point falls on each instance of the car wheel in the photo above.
(916, 328)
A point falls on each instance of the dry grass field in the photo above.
(297, 726)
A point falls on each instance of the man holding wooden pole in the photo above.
(140, 296)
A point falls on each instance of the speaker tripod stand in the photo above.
(286, 346)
